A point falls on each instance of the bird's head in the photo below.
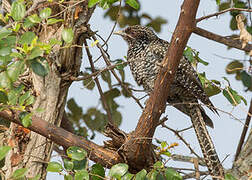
(137, 34)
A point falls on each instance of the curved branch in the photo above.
(223, 40)
(97, 153)
(222, 12)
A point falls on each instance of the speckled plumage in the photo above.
(146, 52)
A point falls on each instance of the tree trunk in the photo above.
(30, 149)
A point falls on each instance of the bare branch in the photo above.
(222, 12)
(223, 40)
(64, 138)
(182, 139)
(107, 61)
(104, 103)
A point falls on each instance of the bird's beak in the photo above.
(121, 33)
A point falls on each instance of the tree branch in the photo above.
(139, 150)
(244, 131)
(223, 40)
(222, 12)
(97, 153)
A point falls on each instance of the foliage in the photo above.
(23, 52)
(240, 69)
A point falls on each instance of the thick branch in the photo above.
(64, 138)
(223, 40)
(157, 102)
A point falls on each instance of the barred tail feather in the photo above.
(212, 161)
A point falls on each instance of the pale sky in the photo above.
(227, 131)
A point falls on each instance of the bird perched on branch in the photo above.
(145, 54)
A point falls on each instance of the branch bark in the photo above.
(223, 40)
(138, 145)
(97, 153)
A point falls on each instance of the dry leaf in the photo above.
(245, 37)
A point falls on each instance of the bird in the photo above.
(145, 54)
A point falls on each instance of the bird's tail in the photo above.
(211, 158)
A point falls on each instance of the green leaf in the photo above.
(118, 170)
(16, 27)
(152, 175)
(27, 37)
(158, 165)
(166, 153)
(76, 153)
(67, 35)
(106, 77)
(201, 60)
(26, 118)
(218, 2)
(15, 69)
(232, 96)
(233, 67)
(53, 21)
(19, 173)
(24, 97)
(229, 177)
(121, 64)
(211, 90)
(163, 144)
(78, 165)
(45, 13)
(68, 177)
(30, 100)
(97, 169)
(38, 68)
(3, 151)
(92, 3)
(68, 165)
(17, 55)
(28, 23)
(37, 177)
(117, 118)
(81, 175)
(14, 94)
(4, 33)
(4, 51)
(34, 18)
(35, 52)
(172, 174)
(127, 176)
(54, 167)
(88, 83)
(188, 53)
(133, 3)
(17, 10)
(3, 97)
(141, 175)
(246, 79)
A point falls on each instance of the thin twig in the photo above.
(192, 175)
(182, 139)
(182, 158)
(107, 61)
(105, 105)
(221, 12)
(113, 28)
(185, 129)
(97, 73)
(244, 131)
